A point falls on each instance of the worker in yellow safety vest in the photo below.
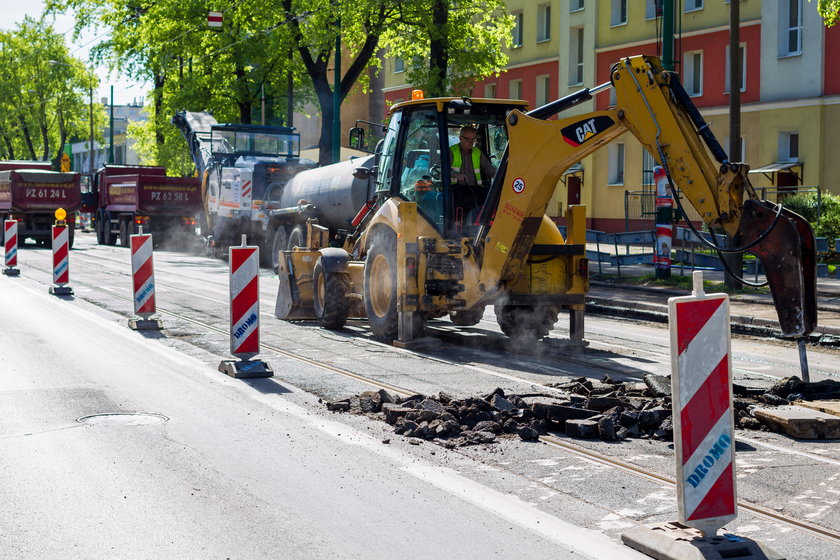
(469, 164)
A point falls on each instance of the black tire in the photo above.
(526, 321)
(329, 297)
(108, 237)
(2, 229)
(298, 238)
(381, 286)
(279, 242)
(124, 232)
(71, 235)
(99, 225)
(467, 317)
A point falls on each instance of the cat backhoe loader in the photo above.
(419, 249)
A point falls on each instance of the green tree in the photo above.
(463, 41)
(42, 93)
(829, 10)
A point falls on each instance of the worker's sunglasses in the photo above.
(469, 138)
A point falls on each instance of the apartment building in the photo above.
(790, 97)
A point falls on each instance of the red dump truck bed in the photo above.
(29, 190)
(155, 195)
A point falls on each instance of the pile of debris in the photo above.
(583, 408)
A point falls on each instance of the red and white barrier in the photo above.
(11, 247)
(244, 301)
(245, 314)
(61, 261)
(704, 430)
(143, 274)
(664, 228)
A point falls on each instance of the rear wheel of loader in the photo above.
(526, 321)
(381, 286)
(297, 238)
(466, 317)
(279, 243)
(329, 297)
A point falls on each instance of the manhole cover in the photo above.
(123, 419)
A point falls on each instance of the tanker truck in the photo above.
(30, 194)
(243, 171)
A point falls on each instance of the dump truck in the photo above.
(421, 250)
(243, 170)
(131, 197)
(30, 193)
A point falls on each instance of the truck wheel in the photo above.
(467, 317)
(526, 321)
(71, 234)
(107, 236)
(298, 238)
(99, 226)
(279, 243)
(381, 286)
(124, 232)
(329, 297)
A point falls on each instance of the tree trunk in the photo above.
(439, 49)
(244, 94)
(45, 136)
(28, 138)
(10, 149)
(160, 80)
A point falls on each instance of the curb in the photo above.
(741, 324)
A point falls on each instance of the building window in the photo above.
(693, 73)
(517, 29)
(648, 164)
(616, 164)
(743, 50)
(693, 5)
(653, 9)
(543, 22)
(490, 91)
(399, 65)
(515, 89)
(576, 56)
(790, 17)
(788, 146)
(575, 5)
(619, 12)
(543, 90)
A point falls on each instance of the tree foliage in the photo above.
(44, 94)
(266, 43)
(829, 10)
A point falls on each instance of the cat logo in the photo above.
(583, 131)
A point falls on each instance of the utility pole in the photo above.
(111, 129)
(735, 261)
(664, 222)
(336, 129)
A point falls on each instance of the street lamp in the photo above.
(90, 106)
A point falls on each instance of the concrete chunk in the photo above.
(801, 422)
(829, 407)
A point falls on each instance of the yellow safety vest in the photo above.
(476, 161)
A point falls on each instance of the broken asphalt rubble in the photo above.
(585, 408)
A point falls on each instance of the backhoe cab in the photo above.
(424, 247)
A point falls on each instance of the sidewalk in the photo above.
(750, 313)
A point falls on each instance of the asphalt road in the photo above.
(259, 469)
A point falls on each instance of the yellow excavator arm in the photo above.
(651, 104)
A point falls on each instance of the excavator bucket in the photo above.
(789, 255)
(292, 301)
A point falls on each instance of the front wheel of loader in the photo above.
(381, 286)
(329, 297)
(278, 243)
(531, 322)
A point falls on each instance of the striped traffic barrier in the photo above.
(11, 247)
(61, 256)
(245, 314)
(704, 429)
(143, 281)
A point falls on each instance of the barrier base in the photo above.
(11, 271)
(674, 541)
(61, 290)
(243, 369)
(139, 324)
